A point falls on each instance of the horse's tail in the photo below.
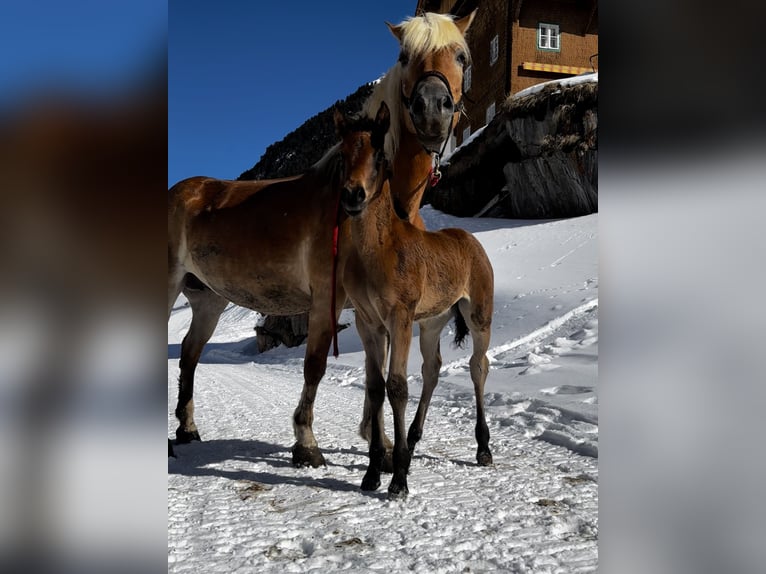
(461, 328)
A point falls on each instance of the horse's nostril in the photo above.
(359, 195)
(419, 106)
(446, 104)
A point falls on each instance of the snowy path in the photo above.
(235, 503)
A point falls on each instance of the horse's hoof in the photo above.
(398, 491)
(484, 458)
(184, 436)
(170, 449)
(307, 456)
(371, 481)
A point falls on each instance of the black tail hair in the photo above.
(461, 329)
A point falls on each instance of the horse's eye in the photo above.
(462, 58)
(403, 58)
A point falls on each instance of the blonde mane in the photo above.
(420, 35)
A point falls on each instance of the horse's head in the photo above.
(433, 57)
(365, 167)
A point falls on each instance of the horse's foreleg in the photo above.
(365, 427)
(306, 450)
(206, 307)
(400, 328)
(432, 362)
(374, 341)
(479, 368)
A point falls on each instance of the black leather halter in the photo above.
(458, 107)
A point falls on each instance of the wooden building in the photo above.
(518, 43)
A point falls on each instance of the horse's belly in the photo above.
(269, 300)
(435, 305)
(277, 289)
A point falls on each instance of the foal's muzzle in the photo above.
(352, 200)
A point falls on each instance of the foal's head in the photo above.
(365, 167)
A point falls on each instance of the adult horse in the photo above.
(396, 274)
(268, 245)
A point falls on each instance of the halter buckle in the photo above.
(435, 174)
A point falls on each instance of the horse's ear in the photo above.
(340, 121)
(465, 21)
(396, 31)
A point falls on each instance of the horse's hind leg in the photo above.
(175, 285)
(207, 307)
(479, 365)
(432, 361)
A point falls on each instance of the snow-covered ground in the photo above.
(235, 502)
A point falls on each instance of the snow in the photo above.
(570, 81)
(236, 503)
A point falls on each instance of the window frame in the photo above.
(487, 117)
(467, 77)
(552, 28)
(494, 49)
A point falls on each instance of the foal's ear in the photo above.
(383, 117)
(382, 121)
(340, 121)
(465, 21)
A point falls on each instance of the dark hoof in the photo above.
(398, 491)
(184, 437)
(484, 458)
(371, 481)
(305, 456)
(170, 449)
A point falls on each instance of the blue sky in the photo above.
(243, 74)
(81, 46)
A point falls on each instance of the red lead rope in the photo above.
(333, 317)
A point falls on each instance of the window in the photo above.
(493, 50)
(548, 37)
(490, 113)
(467, 79)
(466, 134)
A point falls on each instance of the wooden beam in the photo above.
(554, 68)
(517, 11)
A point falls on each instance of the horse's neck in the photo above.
(411, 166)
(376, 225)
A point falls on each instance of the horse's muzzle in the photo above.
(432, 108)
(352, 200)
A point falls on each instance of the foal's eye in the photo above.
(403, 58)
